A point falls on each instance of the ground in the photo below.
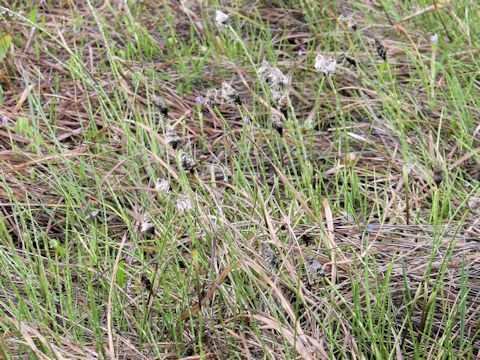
(239, 179)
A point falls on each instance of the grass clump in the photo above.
(209, 180)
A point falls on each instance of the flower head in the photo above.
(474, 204)
(187, 162)
(162, 186)
(199, 100)
(264, 70)
(221, 18)
(171, 137)
(270, 256)
(275, 79)
(283, 103)
(160, 104)
(146, 223)
(273, 76)
(314, 267)
(277, 123)
(434, 39)
(229, 94)
(5, 120)
(211, 98)
(327, 65)
(183, 204)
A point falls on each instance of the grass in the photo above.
(351, 233)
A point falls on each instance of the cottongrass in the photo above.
(162, 186)
(275, 79)
(171, 137)
(211, 98)
(325, 64)
(229, 94)
(273, 76)
(186, 161)
(283, 103)
(314, 268)
(474, 204)
(277, 123)
(146, 223)
(221, 18)
(183, 204)
(160, 104)
(270, 257)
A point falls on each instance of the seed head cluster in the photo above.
(146, 224)
(186, 161)
(229, 94)
(325, 64)
(277, 123)
(160, 104)
(221, 18)
(183, 204)
(171, 137)
(314, 268)
(277, 84)
(270, 257)
(162, 186)
(381, 51)
(211, 98)
(274, 78)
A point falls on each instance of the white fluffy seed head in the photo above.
(186, 161)
(283, 103)
(211, 98)
(162, 186)
(158, 102)
(229, 94)
(264, 70)
(314, 267)
(474, 204)
(327, 65)
(171, 137)
(277, 121)
(183, 204)
(276, 81)
(221, 18)
(145, 223)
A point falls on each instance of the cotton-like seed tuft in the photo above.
(172, 138)
(162, 186)
(325, 64)
(186, 161)
(229, 94)
(221, 18)
(183, 204)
